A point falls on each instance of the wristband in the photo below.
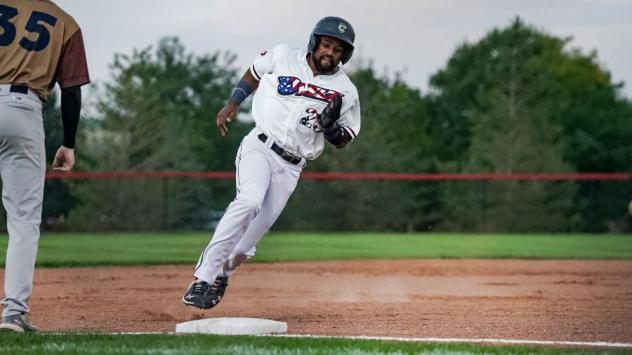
(241, 92)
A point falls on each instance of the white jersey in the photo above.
(289, 97)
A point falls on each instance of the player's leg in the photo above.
(282, 185)
(23, 166)
(252, 180)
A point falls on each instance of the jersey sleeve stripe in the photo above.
(254, 73)
(351, 132)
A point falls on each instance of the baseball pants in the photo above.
(264, 182)
(22, 169)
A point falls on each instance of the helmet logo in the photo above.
(342, 27)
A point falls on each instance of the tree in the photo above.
(519, 92)
(157, 114)
(511, 138)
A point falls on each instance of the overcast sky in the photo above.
(415, 37)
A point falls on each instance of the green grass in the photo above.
(59, 250)
(207, 344)
(298, 247)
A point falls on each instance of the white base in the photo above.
(233, 326)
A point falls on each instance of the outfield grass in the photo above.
(58, 250)
(207, 344)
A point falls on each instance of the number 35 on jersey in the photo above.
(35, 28)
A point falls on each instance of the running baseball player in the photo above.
(40, 44)
(303, 98)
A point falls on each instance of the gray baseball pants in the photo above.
(22, 169)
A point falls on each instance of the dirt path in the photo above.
(539, 300)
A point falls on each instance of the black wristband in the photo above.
(338, 136)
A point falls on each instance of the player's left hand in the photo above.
(64, 159)
(330, 114)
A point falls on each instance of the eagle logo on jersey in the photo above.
(290, 85)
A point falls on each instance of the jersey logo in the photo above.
(309, 120)
(290, 85)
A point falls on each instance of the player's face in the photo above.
(328, 54)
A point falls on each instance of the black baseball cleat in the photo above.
(204, 295)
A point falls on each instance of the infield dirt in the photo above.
(513, 299)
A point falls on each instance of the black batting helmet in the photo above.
(334, 27)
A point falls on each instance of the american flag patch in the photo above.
(291, 85)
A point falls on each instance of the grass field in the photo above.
(59, 250)
(16, 344)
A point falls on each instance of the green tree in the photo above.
(519, 95)
(157, 114)
(511, 138)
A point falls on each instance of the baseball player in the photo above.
(40, 44)
(303, 98)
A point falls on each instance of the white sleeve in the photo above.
(265, 61)
(350, 115)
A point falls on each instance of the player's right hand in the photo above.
(64, 159)
(226, 116)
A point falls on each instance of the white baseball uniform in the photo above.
(271, 157)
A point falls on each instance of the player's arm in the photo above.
(70, 111)
(71, 73)
(246, 86)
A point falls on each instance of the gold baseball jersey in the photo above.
(40, 45)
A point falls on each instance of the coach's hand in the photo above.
(225, 116)
(64, 159)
